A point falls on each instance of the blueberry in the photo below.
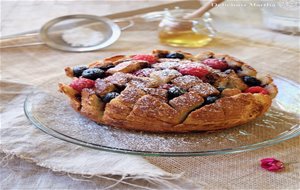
(211, 99)
(220, 89)
(175, 92)
(175, 56)
(251, 81)
(77, 71)
(109, 96)
(93, 73)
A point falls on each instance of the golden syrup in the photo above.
(184, 38)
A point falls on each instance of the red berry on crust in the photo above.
(149, 58)
(194, 71)
(215, 64)
(81, 83)
(256, 89)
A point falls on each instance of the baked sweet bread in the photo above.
(169, 91)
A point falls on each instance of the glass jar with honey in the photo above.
(176, 30)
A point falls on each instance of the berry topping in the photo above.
(93, 73)
(81, 83)
(77, 71)
(175, 56)
(251, 81)
(149, 58)
(256, 89)
(175, 91)
(216, 64)
(210, 99)
(194, 71)
(109, 96)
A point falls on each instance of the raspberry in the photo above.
(256, 89)
(194, 71)
(216, 64)
(81, 83)
(149, 58)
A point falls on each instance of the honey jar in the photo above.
(176, 30)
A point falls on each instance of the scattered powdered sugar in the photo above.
(82, 37)
(195, 65)
(165, 76)
(186, 81)
(168, 60)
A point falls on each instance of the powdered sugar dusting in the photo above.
(195, 65)
(166, 65)
(186, 81)
(165, 76)
(82, 37)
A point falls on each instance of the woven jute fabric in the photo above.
(26, 67)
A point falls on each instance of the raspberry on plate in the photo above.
(149, 58)
(256, 89)
(216, 64)
(81, 83)
(194, 71)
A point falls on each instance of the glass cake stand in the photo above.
(50, 111)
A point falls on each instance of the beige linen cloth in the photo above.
(24, 68)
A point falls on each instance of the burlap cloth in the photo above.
(23, 68)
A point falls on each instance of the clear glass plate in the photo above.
(49, 111)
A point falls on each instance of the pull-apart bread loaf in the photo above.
(169, 91)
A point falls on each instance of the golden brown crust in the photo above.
(91, 106)
(152, 114)
(127, 67)
(205, 89)
(230, 92)
(69, 72)
(239, 108)
(72, 94)
(144, 106)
